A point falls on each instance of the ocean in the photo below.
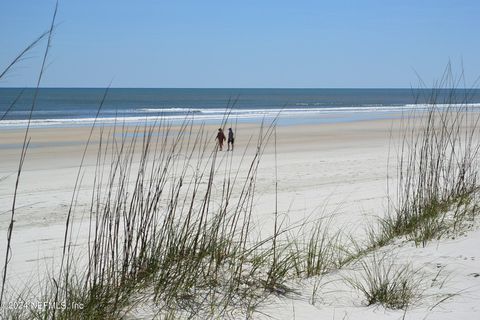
(79, 106)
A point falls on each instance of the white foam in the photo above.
(162, 110)
(209, 114)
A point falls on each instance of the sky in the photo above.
(241, 44)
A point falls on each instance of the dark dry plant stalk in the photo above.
(437, 166)
(24, 52)
(26, 138)
(170, 219)
(62, 278)
(272, 279)
(158, 220)
(12, 105)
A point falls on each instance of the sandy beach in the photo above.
(337, 169)
(342, 166)
(352, 191)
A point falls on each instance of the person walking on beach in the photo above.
(231, 139)
(221, 138)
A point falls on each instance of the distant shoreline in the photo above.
(67, 107)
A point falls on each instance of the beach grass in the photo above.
(437, 170)
(383, 281)
(171, 228)
(26, 139)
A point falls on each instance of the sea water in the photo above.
(83, 106)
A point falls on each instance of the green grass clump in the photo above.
(384, 282)
(438, 165)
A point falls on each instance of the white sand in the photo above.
(322, 169)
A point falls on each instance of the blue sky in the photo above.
(262, 43)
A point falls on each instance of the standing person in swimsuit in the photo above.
(221, 138)
(231, 139)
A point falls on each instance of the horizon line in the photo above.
(250, 88)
